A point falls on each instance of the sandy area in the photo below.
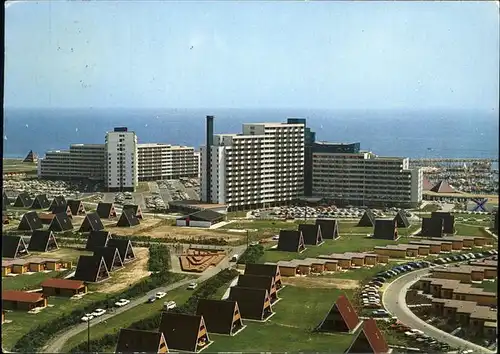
(160, 228)
(321, 282)
(130, 274)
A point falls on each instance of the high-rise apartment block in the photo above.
(121, 169)
(345, 175)
(263, 166)
(121, 162)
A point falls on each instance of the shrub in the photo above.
(159, 258)
(252, 254)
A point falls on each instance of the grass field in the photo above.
(290, 329)
(114, 324)
(23, 321)
(468, 230)
(25, 281)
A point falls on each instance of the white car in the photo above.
(192, 286)
(276, 238)
(122, 302)
(87, 317)
(160, 294)
(169, 305)
(98, 312)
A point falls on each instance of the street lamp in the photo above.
(88, 335)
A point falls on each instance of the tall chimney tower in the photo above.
(208, 167)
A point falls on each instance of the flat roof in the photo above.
(470, 307)
(284, 264)
(462, 269)
(430, 242)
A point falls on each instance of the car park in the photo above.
(98, 312)
(122, 302)
(448, 260)
(377, 283)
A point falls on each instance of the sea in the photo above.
(414, 134)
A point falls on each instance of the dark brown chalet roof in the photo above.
(272, 270)
(368, 339)
(127, 218)
(40, 202)
(448, 221)
(124, 248)
(23, 200)
(250, 301)
(30, 221)
(340, 318)
(385, 229)
(13, 247)
(291, 241)
(401, 219)
(97, 239)
(92, 222)
(88, 268)
(311, 234)
(136, 208)
(426, 184)
(104, 210)
(42, 241)
(111, 257)
(181, 330)
(368, 219)
(218, 315)
(76, 206)
(432, 227)
(329, 228)
(443, 187)
(138, 341)
(61, 222)
(58, 209)
(256, 281)
(58, 201)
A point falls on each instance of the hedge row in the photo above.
(206, 290)
(194, 240)
(252, 254)
(38, 336)
(159, 258)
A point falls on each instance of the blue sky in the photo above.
(333, 55)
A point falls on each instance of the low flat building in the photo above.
(464, 273)
(397, 251)
(22, 300)
(422, 250)
(487, 263)
(63, 287)
(467, 313)
(345, 262)
(287, 269)
(443, 245)
(471, 241)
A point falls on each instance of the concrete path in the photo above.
(233, 283)
(394, 301)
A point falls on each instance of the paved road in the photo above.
(57, 343)
(394, 301)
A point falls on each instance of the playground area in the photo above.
(199, 260)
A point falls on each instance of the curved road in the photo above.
(55, 344)
(394, 301)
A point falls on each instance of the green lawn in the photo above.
(22, 321)
(298, 312)
(488, 286)
(25, 281)
(123, 320)
(467, 230)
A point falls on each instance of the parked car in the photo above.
(169, 305)
(276, 238)
(380, 313)
(151, 299)
(122, 302)
(98, 312)
(87, 317)
(192, 286)
(160, 294)
(377, 283)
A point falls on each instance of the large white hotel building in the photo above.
(270, 164)
(262, 167)
(120, 162)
